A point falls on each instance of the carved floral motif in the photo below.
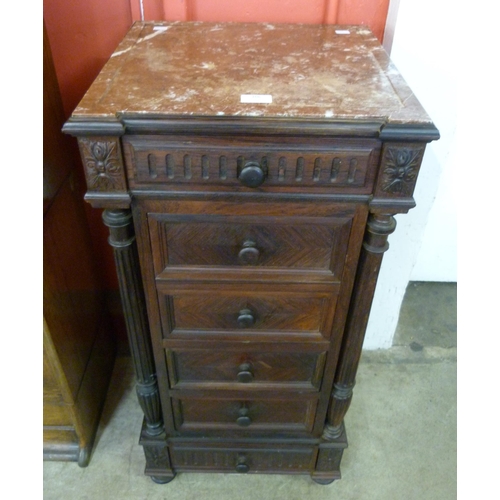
(103, 165)
(329, 459)
(401, 169)
(157, 457)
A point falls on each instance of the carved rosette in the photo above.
(399, 169)
(157, 457)
(158, 464)
(103, 164)
(329, 459)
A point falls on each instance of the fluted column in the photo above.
(122, 239)
(379, 227)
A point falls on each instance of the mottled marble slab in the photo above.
(202, 69)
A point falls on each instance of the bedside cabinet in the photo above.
(249, 175)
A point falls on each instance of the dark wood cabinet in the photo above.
(249, 174)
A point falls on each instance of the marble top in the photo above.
(303, 71)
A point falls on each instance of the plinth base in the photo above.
(165, 457)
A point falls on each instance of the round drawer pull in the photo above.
(252, 175)
(241, 465)
(245, 374)
(249, 253)
(243, 419)
(246, 318)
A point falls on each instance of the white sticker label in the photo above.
(342, 32)
(256, 98)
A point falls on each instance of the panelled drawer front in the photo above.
(243, 459)
(340, 165)
(258, 414)
(246, 368)
(246, 243)
(243, 309)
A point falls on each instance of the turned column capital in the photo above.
(121, 229)
(378, 228)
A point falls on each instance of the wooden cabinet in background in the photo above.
(250, 174)
(78, 345)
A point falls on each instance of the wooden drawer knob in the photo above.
(243, 419)
(246, 318)
(252, 175)
(241, 465)
(249, 253)
(245, 374)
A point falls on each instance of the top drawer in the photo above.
(296, 241)
(343, 165)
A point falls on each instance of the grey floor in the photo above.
(401, 428)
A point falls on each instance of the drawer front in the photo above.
(193, 413)
(245, 310)
(246, 243)
(243, 459)
(245, 368)
(325, 163)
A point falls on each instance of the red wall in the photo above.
(82, 36)
(84, 33)
(372, 13)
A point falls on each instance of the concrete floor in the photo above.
(401, 428)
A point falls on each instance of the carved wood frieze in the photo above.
(281, 459)
(152, 162)
(103, 164)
